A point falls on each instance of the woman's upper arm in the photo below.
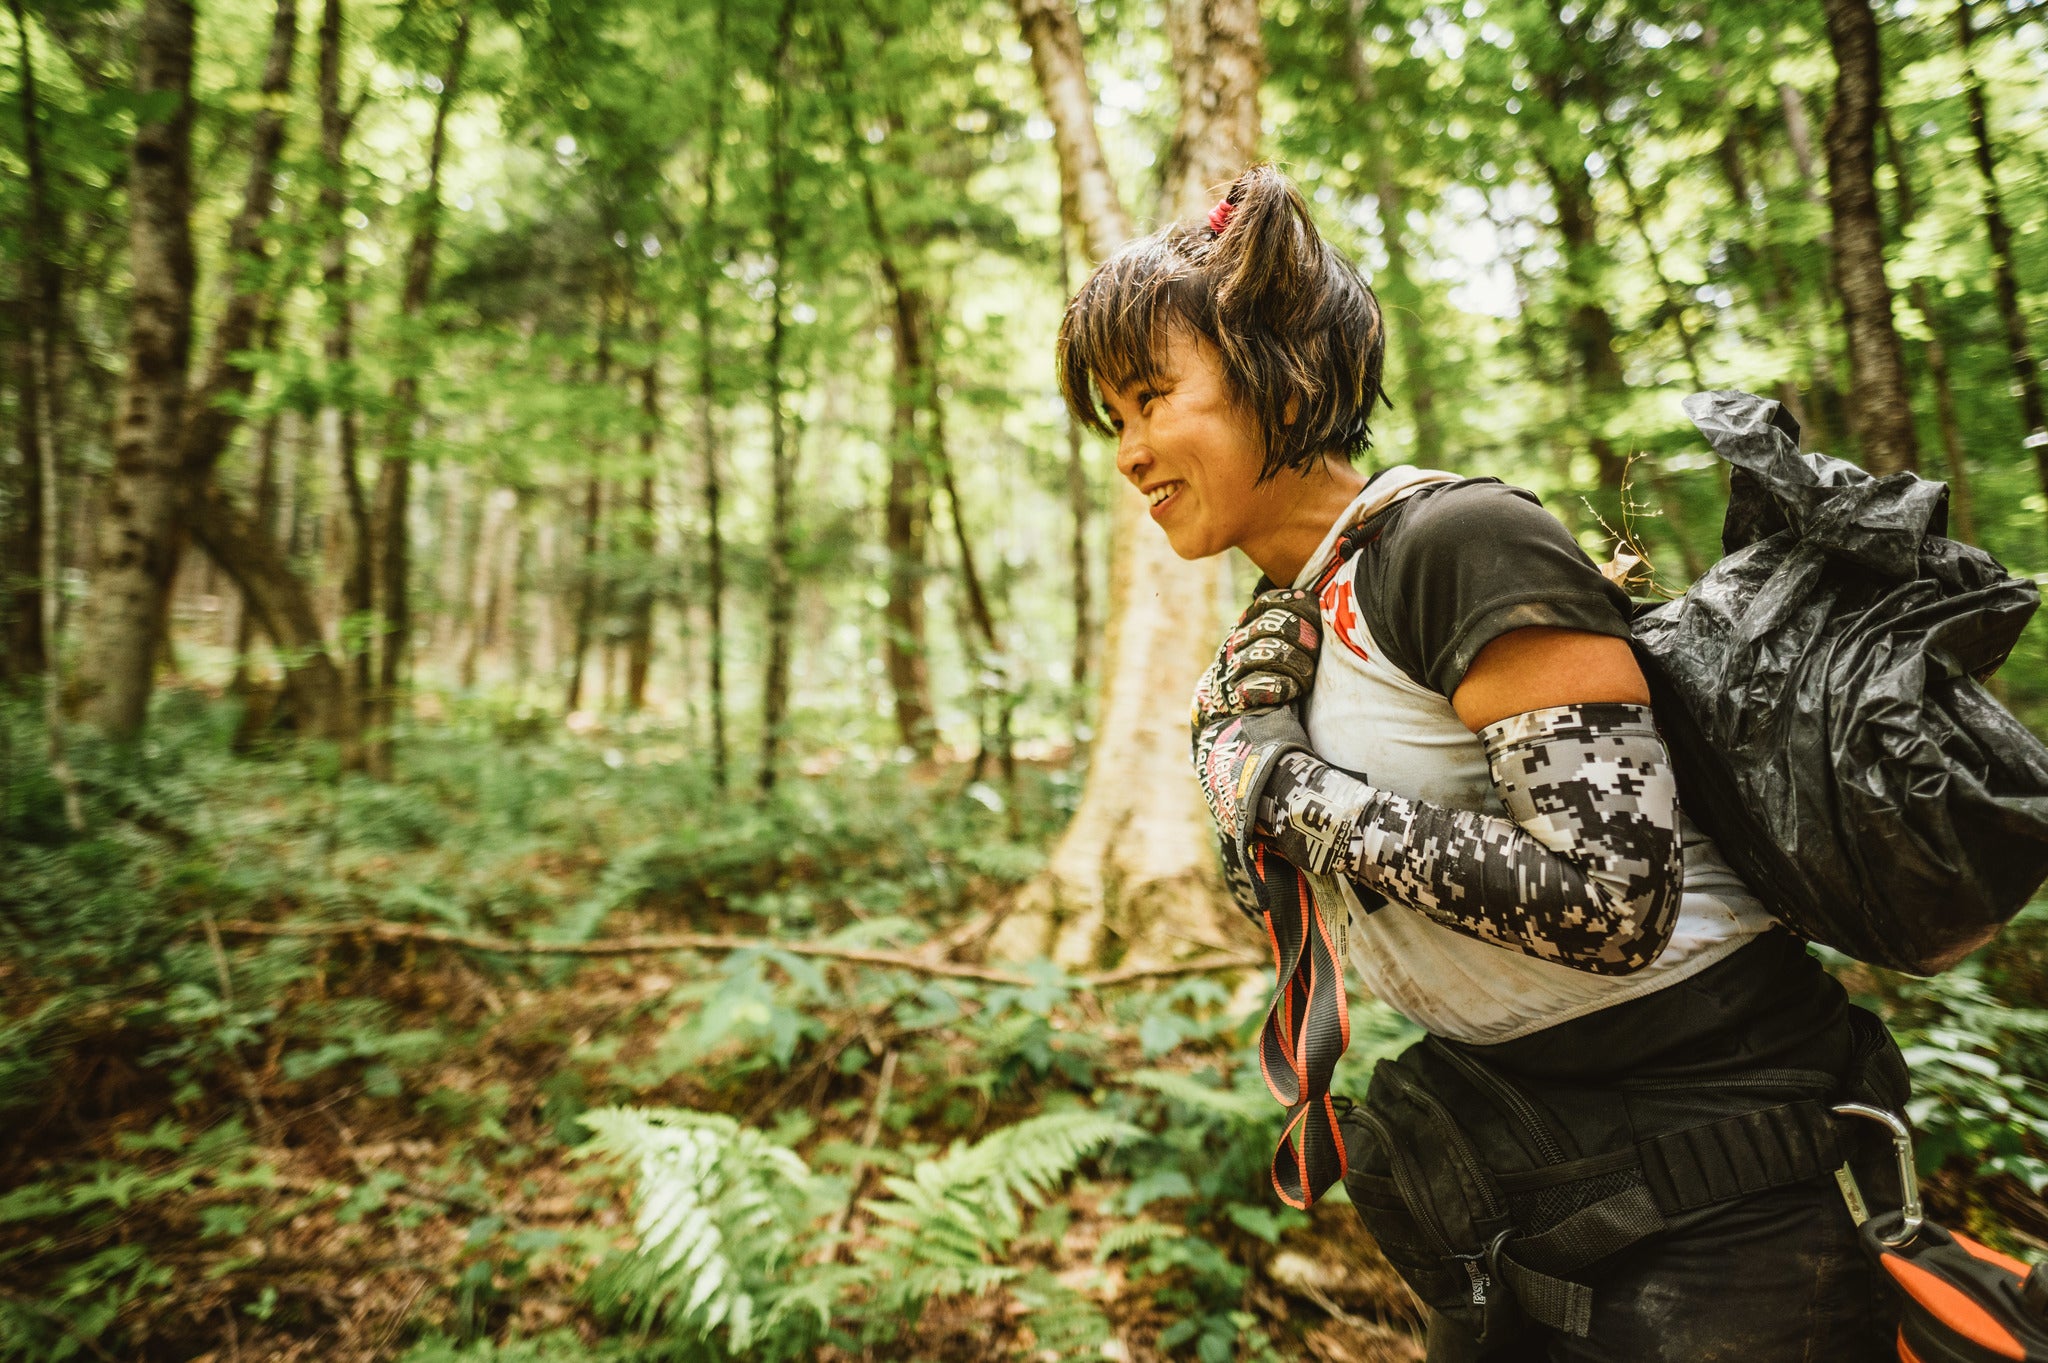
(1538, 667)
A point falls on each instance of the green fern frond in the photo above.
(722, 1216)
(1233, 1105)
(1133, 1234)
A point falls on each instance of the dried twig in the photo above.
(650, 943)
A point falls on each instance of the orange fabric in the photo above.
(1906, 1354)
(1953, 1308)
(1990, 1256)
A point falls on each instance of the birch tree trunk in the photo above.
(1134, 877)
(1880, 402)
(137, 552)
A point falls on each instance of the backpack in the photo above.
(1820, 691)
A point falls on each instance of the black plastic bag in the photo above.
(1819, 690)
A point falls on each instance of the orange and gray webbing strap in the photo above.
(1308, 1026)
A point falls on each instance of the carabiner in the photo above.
(1910, 1215)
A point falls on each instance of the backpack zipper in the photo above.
(1517, 1103)
(1461, 1146)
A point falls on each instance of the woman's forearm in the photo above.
(1587, 872)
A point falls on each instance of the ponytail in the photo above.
(1299, 330)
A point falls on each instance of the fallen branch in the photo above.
(651, 943)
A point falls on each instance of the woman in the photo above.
(1437, 713)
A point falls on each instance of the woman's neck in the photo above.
(1296, 511)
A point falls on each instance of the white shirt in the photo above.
(1368, 717)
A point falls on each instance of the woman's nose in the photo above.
(1132, 456)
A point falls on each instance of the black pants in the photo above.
(1778, 1277)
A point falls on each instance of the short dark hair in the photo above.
(1295, 322)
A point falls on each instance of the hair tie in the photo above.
(1219, 216)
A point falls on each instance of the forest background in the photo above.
(591, 765)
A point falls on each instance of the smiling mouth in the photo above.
(1162, 492)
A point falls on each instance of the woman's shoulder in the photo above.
(1460, 563)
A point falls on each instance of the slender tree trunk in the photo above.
(1826, 413)
(2026, 371)
(23, 644)
(593, 504)
(1403, 299)
(1961, 503)
(1881, 409)
(213, 411)
(266, 516)
(781, 462)
(40, 423)
(273, 593)
(1077, 509)
(1777, 285)
(707, 397)
(137, 546)
(640, 639)
(486, 596)
(1134, 876)
(906, 515)
(338, 422)
(906, 510)
(394, 468)
(1589, 328)
(586, 590)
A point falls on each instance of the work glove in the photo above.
(1235, 756)
(1268, 659)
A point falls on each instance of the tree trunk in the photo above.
(586, 590)
(707, 398)
(640, 637)
(1880, 405)
(281, 604)
(906, 514)
(906, 509)
(1961, 503)
(213, 412)
(1077, 509)
(137, 553)
(2026, 372)
(1134, 876)
(394, 468)
(1399, 292)
(24, 646)
(338, 424)
(781, 465)
(1825, 413)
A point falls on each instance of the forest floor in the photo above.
(225, 1144)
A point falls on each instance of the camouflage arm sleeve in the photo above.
(1587, 871)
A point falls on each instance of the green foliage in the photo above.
(722, 1216)
(729, 1240)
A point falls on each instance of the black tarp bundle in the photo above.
(1819, 689)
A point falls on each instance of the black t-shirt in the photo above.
(1456, 565)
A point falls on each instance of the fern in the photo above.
(1235, 1106)
(955, 1214)
(722, 1215)
(1133, 1235)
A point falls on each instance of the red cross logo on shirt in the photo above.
(1340, 610)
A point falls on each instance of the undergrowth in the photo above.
(327, 1147)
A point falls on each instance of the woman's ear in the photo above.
(1293, 410)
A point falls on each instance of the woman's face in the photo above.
(1190, 450)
